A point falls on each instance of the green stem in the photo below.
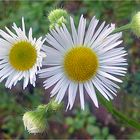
(122, 28)
(109, 106)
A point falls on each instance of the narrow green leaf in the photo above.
(109, 106)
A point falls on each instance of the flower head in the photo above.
(20, 56)
(35, 121)
(83, 60)
(135, 24)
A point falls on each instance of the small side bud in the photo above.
(35, 121)
(56, 14)
(135, 24)
(53, 106)
(57, 17)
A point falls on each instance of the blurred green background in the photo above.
(76, 124)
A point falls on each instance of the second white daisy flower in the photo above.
(20, 56)
(83, 60)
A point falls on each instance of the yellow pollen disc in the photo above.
(22, 56)
(80, 63)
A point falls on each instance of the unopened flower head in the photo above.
(135, 24)
(20, 56)
(56, 14)
(83, 60)
(35, 121)
(57, 17)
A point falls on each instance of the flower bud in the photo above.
(57, 17)
(35, 121)
(135, 24)
(54, 106)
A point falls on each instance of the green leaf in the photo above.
(111, 137)
(71, 130)
(69, 121)
(78, 124)
(93, 130)
(91, 120)
(105, 131)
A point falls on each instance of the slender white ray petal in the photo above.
(68, 42)
(111, 47)
(68, 34)
(49, 69)
(90, 31)
(57, 86)
(4, 43)
(111, 67)
(112, 39)
(52, 80)
(23, 25)
(50, 73)
(81, 92)
(11, 33)
(74, 32)
(109, 82)
(91, 92)
(109, 76)
(62, 91)
(81, 29)
(54, 42)
(97, 33)
(111, 54)
(26, 80)
(30, 35)
(7, 37)
(10, 71)
(72, 93)
(99, 88)
(107, 85)
(104, 88)
(102, 36)
(62, 38)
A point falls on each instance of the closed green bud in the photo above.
(135, 24)
(35, 121)
(56, 14)
(57, 17)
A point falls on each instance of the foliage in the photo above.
(12, 109)
(85, 120)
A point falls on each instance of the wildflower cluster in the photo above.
(86, 59)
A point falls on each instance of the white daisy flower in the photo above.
(20, 56)
(83, 60)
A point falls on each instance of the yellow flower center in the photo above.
(80, 63)
(22, 56)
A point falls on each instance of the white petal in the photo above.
(62, 91)
(109, 76)
(23, 25)
(72, 93)
(97, 33)
(91, 92)
(81, 96)
(52, 80)
(74, 32)
(57, 86)
(91, 30)
(81, 29)
(99, 89)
